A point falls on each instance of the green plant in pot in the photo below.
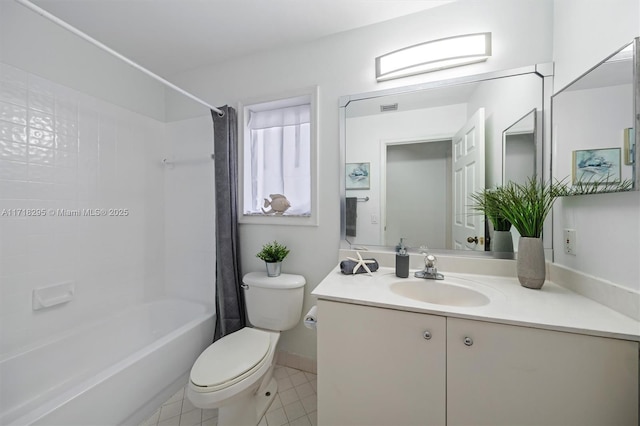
(526, 207)
(273, 254)
(488, 203)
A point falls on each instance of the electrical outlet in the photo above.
(570, 241)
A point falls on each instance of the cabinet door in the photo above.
(375, 366)
(522, 376)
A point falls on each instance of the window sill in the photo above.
(286, 220)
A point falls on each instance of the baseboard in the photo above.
(299, 362)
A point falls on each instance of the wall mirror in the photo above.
(519, 149)
(595, 123)
(412, 155)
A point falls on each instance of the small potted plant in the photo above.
(488, 203)
(273, 254)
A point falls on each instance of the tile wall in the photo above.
(81, 201)
(190, 210)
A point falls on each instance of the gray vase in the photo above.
(502, 245)
(530, 266)
(273, 268)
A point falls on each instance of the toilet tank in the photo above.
(273, 303)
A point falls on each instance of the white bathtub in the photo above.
(117, 371)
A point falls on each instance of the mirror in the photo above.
(519, 149)
(594, 126)
(425, 148)
(520, 155)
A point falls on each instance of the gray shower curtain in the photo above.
(230, 305)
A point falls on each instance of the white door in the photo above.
(468, 177)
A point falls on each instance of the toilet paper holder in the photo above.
(311, 318)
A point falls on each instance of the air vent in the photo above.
(389, 107)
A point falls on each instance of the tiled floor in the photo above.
(294, 405)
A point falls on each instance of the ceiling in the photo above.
(172, 36)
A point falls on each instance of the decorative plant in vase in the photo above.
(273, 254)
(526, 207)
(488, 202)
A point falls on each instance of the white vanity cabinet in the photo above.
(378, 367)
(510, 375)
(375, 367)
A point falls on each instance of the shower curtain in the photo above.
(230, 305)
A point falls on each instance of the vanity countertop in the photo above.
(553, 307)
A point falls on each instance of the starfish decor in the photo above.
(361, 262)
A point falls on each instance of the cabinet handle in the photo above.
(427, 335)
(468, 341)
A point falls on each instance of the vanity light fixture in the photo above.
(434, 55)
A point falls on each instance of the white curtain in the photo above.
(281, 157)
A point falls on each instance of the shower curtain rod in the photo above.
(66, 26)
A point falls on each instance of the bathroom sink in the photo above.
(443, 292)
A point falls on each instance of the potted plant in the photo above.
(273, 254)
(488, 203)
(526, 207)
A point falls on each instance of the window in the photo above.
(278, 155)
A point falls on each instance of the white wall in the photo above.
(587, 31)
(190, 210)
(607, 225)
(63, 150)
(520, 151)
(34, 44)
(344, 64)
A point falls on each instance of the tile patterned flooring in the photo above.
(294, 405)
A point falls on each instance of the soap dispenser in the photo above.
(402, 260)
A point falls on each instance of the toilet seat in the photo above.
(231, 359)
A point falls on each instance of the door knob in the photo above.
(475, 240)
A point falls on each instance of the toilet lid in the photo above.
(231, 359)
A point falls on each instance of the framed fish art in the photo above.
(358, 176)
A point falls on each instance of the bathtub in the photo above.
(112, 372)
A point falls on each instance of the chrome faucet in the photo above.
(430, 272)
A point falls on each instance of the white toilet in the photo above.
(234, 374)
